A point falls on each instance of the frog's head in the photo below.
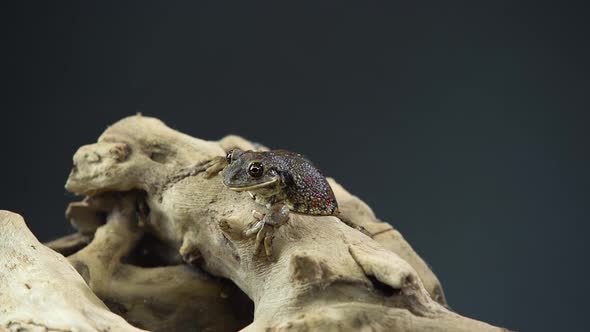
(249, 170)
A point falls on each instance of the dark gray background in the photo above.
(464, 125)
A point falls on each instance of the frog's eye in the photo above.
(255, 169)
(228, 156)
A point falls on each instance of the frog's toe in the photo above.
(258, 215)
(256, 228)
(259, 239)
(268, 243)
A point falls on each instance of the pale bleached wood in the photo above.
(159, 298)
(41, 291)
(324, 274)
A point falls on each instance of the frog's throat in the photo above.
(255, 186)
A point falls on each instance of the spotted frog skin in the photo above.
(282, 181)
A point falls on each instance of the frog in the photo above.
(282, 181)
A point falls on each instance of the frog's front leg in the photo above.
(264, 228)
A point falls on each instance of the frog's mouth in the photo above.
(256, 185)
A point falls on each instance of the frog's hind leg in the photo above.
(354, 226)
(214, 166)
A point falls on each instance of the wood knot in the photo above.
(307, 269)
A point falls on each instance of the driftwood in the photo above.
(40, 291)
(147, 181)
(121, 263)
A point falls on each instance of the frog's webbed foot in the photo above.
(264, 227)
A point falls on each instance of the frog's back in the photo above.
(308, 191)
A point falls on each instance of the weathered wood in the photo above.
(325, 274)
(39, 289)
